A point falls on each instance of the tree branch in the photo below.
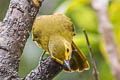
(105, 27)
(48, 69)
(14, 31)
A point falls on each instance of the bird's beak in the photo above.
(67, 64)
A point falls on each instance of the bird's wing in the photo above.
(78, 60)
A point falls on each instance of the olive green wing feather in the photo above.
(78, 60)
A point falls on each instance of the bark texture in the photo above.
(105, 28)
(48, 69)
(14, 31)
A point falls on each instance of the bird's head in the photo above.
(68, 51)
(60, 50)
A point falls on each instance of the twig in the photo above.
(95, 73)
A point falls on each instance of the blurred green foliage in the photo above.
(3, 8)
(83, 16)
(114, 12)
(51, 6)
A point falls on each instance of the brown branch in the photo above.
(14, 31)
(48, 69)
(95, 72)
(105, 27)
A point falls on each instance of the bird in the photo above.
(54, 34)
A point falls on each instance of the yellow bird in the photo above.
(54, 33)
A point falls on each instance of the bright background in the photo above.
(83, 16)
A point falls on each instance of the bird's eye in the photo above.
(67, 50)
